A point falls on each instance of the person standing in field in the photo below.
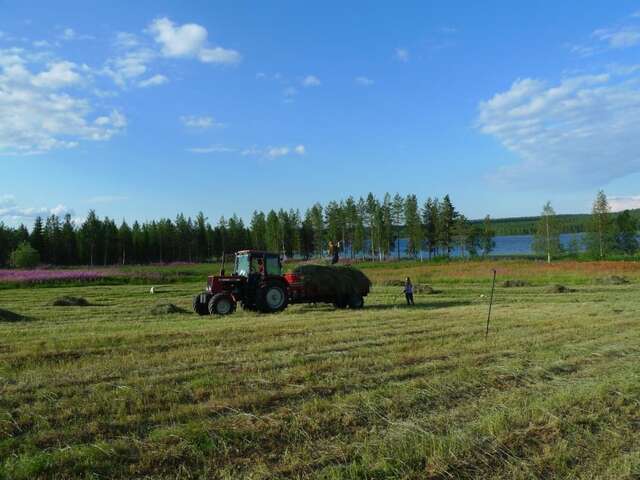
(334, 251)
(408, 291)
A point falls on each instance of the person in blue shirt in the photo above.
(408, 291)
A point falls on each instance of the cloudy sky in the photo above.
(146, 109)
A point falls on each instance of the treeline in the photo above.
(569, 223)
(366, 228)
(606, 233)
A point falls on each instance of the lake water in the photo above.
(505, 245)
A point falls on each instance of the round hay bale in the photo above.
(515, 283)
(68, 301)
(557, 288)
(612, 280)
(166, 308)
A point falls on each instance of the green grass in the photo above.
(111, 391)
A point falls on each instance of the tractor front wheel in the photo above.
(273, 298)
(221, 304)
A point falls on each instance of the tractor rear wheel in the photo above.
(272, 298)
(221, 304)
(199, 307)
(356, 301)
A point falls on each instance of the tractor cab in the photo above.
(254, 262)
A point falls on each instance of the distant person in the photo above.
(408, 291)
(334, 251)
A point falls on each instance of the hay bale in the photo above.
(333, 281)
(68, 301)
(515, 283)
(557, 288)
(612, 280)
(166, 308)
(7, 316)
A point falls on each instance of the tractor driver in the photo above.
(257, 265)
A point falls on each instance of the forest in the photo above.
(366, 228)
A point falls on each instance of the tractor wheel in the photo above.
(221, 304)
(272, 298)
(356, 301)
(199, 307)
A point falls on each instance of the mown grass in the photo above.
(112, 391)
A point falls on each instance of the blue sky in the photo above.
(146, 109)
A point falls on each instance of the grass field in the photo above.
(112, 391)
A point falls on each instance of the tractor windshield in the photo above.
(242, 265)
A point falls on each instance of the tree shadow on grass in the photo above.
(11, 317)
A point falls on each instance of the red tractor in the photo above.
(257, 283)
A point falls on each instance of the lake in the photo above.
(505, 245)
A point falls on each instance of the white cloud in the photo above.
(194, 121)
(622, 37)
(189, 40)
(402, 55)
(211, 149)
(126, 40)
(11, 212)
(129, 67)
(311, 81)
(60, 74)
(38, 115)
(583, 130)
(68, 34)
(364, 81)
(619, 204)
(274, 151)
(153, 81)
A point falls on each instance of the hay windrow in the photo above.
(166, 309)
(557, 288)
(69, 301)
(612, 280)
(8, 316)
(334, 280)
(515, 283)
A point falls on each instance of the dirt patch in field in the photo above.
(7, 316)
(557, 288)
(68, 301)
(166, 309)
(612, 280)
(515, 283)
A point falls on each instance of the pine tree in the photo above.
(273, 232)
(626, 235)
(90, 233)
(447, 219)
(487, 234)
(413, 225)
(69, 242)
(317, 223)
(430, 223)
(201, 237)
(397, 213)
(37, 239)
(125, 242)
(546, 240)
(258, 228)
(600, 234)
